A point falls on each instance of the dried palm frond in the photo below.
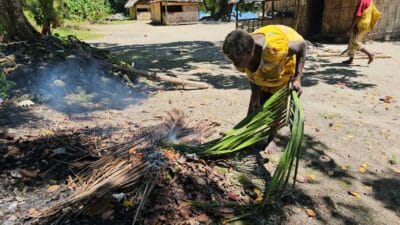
(136, 165)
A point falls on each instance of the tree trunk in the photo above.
(223, 12)
(14, 22)
(49, 16)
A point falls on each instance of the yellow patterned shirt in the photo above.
(276, 67)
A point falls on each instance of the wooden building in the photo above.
(329, 18)
(139, 9)
(175, 11)
(338, 14)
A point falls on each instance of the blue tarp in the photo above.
(242, 15)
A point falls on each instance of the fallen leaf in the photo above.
(184, 211)
(259, 198)
(355, 194)
(171, 155)
(387, 99)
(310, 213)
(233, 196)
(53, 188)
(132, 151)
(127, 203)
(363, 168)
(33, 213)
(341, 84)
(162, 218)
(202, 218)
(311, 177)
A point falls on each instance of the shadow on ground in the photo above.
(322, 70)
(172, 58)
(387, 191)
(314, 157)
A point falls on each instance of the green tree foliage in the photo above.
(86, 9)
(117, 5)
(249, 7)
(5, 85)
(222, 10)
(44, 14)
(91, 10)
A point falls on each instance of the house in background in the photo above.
(139, 9)
(170, 12)
(325, 18)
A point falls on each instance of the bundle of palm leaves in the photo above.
(283, 108)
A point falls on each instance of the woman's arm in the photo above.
(298, 48)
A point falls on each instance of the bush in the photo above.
(5, 85)
(91, 10)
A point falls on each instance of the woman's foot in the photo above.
(370, 58)
(348, 62)
(271, 148)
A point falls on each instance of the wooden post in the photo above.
(166, 13)
(161, 19)
(237, 15)
(263, 9)
(273, 8)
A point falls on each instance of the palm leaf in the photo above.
(252, 129)
(283, 108)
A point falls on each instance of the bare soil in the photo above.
(350, 168)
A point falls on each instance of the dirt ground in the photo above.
(350, 169)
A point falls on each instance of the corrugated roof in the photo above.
(177, 1)
(130, 3)
(246, 1)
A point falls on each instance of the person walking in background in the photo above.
(364, 20)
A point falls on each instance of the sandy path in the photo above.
(347, 125)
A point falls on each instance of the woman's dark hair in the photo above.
(238, 42)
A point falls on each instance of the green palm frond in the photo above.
(290, 155)
(282, 109)
(254, 128)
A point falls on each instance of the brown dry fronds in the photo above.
(135, 165)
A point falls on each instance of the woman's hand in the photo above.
(297, 85)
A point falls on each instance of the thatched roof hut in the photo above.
(175, 11)
(139, 9)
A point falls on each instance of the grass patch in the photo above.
(80, 34)
(69, 27)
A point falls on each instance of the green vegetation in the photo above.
(76, 28)
(282, 109)
(5, 85)
(92, 10)
(80, 34)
